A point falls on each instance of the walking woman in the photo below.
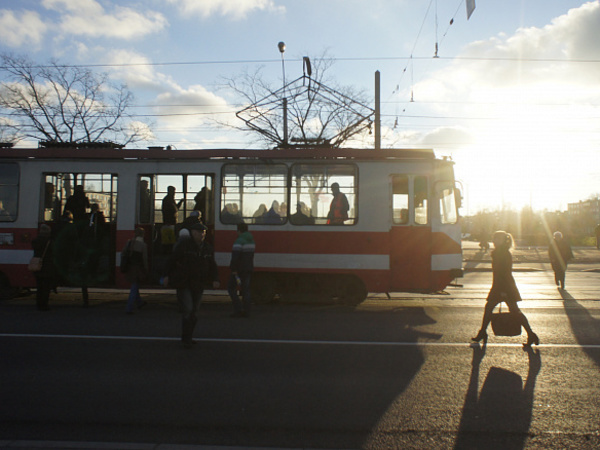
(504, 288)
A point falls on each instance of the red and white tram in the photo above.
(402, 230)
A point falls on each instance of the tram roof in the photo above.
(154, 153)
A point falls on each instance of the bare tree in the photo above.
(317, 115)
(65, 104)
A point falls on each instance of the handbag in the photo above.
(506, 323)
(35, 263)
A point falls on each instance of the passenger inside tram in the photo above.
(78, 203)
(302, 215)
(273, 215)
(338, 209)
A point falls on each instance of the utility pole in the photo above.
(377, 111)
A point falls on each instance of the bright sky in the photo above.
(514, 97)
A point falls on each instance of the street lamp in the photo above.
(281, 47)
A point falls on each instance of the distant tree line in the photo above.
(531, 228)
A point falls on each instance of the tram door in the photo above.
(193, 195)
(410, 250)
(85, 236)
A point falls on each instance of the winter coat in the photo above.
(560, 254)
(138, 260)
(338, 210)
(504, 286)
(192, 265)
(40, 245)
(242, 255)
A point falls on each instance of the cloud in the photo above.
(140, 75)
(26, 28)
(88, 18)
(236, 9)
(193, 105)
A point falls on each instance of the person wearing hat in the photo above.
(190, 268)
(560, 254)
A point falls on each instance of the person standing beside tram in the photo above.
(45, 278)
(189, 268)
(338, 209)
(242, 265)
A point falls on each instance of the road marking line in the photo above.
(294, 341)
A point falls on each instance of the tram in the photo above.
(400, 232)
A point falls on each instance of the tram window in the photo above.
(312, 194)
(192, 191)
(162, 184)
(421, 201)
(400, 199)
(199, 196)
(448, 209)
(9, 191)
(99, 188)
(254, 194)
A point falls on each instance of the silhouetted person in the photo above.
(170, 207)
(194, 218)
(560, 254)
(242, 265)
(259, 214)
(45, 278)
(78, 203)
(70, 256)
(203, 203)
(299, 218)
(272, 216)
(190, 267)
(137, 269)
(339, 207)
(504, 288)
(145, 202)
(231, 214)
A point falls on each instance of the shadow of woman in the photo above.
(586, 329)
(500, 415)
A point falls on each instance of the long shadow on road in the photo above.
(330, 393)
(586, 328)
(499, 416)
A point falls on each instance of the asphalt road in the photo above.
(396, 373)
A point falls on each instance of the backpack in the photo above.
(126, 258)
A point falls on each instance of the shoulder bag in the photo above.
(35, 263)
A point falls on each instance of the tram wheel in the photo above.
(263, 288)
(351, 290)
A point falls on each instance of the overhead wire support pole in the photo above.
(281, 47)
(377, 111)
